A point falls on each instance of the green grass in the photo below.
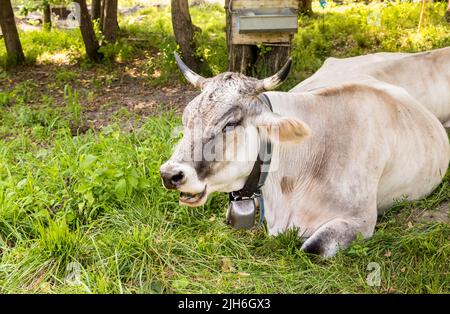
(87, 213)
(94, 203)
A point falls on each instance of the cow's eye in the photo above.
(230, 126)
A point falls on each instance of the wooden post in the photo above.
(244, 56)
(272, 61)
(241, 58)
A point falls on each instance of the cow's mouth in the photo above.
(193, 199)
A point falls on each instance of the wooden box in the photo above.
(271, 22)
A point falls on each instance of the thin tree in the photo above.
(87, 31)
(305, 7)
(447, 13)
(184, 32)
(110, 25)
(102, 13)
(12, 42)
(422, 12)
(47, 15)
(96, 9)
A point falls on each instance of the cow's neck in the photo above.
(277, 190)
(290, 186)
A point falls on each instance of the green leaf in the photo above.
(82, 187)
(22, 183)
(133, 180)
(81, 206)
(121, 188)
(180, 283)
(87, 161)
(70, 217)
(89, 197)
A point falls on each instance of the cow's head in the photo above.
(222, 127)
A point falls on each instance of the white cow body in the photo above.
(425, 76)
(369, 145)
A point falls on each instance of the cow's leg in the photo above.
(447, 125)
(337, 234)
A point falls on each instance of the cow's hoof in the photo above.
(316, 246)
(321, 245)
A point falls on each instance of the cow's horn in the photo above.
(190, 75)
(277, 79)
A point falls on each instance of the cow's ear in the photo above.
(282, 129)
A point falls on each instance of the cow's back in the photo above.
(425, 76)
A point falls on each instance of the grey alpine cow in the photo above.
(342, 153)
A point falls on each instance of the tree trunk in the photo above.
(305, 7)
(184, 32)
(12, 42)
(88, 34)
(47, 16)
(102, 14)
(96, 7)
(447, 13)
(110, 25)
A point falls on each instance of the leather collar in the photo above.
(258, 175)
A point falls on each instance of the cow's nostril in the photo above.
(176, 179)
(172, 178)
